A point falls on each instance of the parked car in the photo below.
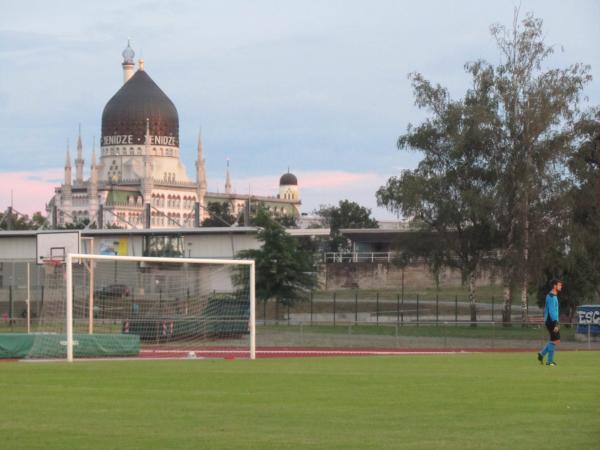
(113, 291)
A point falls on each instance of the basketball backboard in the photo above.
(56, 245)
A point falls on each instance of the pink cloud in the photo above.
(31, 190)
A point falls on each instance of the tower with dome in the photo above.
(138, 179)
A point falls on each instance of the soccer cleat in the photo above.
(540, 358)
(551, 364)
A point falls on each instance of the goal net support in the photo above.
(179, 307)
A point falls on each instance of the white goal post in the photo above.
(204, 302)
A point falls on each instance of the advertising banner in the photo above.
(588, 316)
(114, 247)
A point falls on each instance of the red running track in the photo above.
(295, 352)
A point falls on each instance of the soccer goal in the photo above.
(148, 306)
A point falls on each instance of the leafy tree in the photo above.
(574, 254)
(346, 215)
(13, 220)
(537, 110)
(515, 127)
(285, 220)
(284, 271)
(38, 220)
(219, 215)
(451, 194)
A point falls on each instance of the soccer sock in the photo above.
(551, 347)
(545, 349)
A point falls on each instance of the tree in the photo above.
(451, 194)
(574, 254)
(537, 110)
(284, 271)
(523, 126)
(219, 215)
(285, 220)
(346, 215)
(38, 220)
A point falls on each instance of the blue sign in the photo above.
(588, 318)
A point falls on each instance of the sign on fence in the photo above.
(588, 318)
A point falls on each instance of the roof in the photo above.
(140, 231)
(288, 179)
(139, 99)
(308, 231)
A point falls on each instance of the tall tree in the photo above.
(526, 115)
(575, 253)
(537, 108)
(451, 194)
(346, 215)
(284, 271)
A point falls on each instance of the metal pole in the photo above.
(28, 299)
(311, 307)
(91, 293)
(69, 308)
(417, 309)
(10, 304)
(355, 307)
(377, 308)
(334, 295)
(492, 308)
(397, 309)
(437, 309)
(455, 309)
(252, 312)
(402, 309)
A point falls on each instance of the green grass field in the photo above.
(463, 401)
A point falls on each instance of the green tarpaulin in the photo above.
(21, 345)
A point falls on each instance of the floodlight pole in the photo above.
(252, 311)
(70, 307)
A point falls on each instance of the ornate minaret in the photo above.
(128, 62)
(79, 161)
(228, 188)
(200, 175)
(67, 191)
(93, 184)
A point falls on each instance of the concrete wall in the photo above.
(385, 276)
(18, 248)
(209, 245)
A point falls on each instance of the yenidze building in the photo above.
(138, 179)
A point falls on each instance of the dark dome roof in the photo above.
(288, 179)
(139, 99)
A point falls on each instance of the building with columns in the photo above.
(139, 180)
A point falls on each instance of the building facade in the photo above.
(139, 180)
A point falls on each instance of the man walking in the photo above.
(551, 321)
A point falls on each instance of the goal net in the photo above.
(96, 305)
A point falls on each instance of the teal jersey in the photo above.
(551, 308)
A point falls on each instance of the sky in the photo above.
(320, 87)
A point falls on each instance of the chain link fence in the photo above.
(356, 319)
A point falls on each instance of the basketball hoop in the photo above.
(50, 265)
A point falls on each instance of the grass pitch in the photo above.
(463, 401)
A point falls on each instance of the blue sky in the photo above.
(319, 86)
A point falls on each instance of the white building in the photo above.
(139, 180)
